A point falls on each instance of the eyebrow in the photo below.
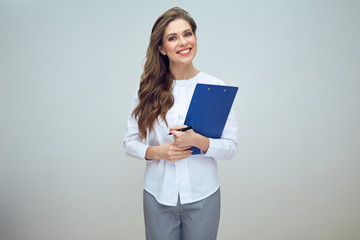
(171, 34)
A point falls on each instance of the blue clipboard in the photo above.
(209, 109)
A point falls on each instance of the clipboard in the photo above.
(209, 109)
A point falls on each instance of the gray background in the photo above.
(69, 70)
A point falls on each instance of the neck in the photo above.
(183, 72)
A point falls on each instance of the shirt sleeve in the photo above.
(133, 145)
(225, 147)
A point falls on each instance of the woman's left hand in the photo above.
(183, 139)
(189, 138)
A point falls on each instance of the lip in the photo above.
(184, 54)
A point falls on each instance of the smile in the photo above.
(184, 51)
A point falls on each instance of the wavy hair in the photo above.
(155, 91)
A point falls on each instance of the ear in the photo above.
(161, 50)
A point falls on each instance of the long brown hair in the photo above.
(155, 92)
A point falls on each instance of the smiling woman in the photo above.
(179, 45)
(181, 190)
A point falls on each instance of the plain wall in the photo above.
(69, 70)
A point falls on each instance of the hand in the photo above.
(169, 152)
(183, 139)
(189, 138)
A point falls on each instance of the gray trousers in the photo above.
(192, 221)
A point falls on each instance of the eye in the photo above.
(188, 34)
(171, 38)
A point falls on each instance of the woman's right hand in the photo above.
(169, 152)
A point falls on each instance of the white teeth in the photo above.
(185, 51)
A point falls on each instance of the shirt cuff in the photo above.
(221, 149)
(211, 150)
(138, 150)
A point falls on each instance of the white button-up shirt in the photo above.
(195, 177)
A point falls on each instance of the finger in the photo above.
(177, 127)
(176, 133)
(190, 131)
(177, 147)
(180, 156)
(181, 149)
(182, 143)
(184, 148)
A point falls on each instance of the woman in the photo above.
(181, 191)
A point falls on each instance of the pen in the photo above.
(183, 129)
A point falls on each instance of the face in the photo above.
(179, 43)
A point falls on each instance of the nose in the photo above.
(182, 41)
